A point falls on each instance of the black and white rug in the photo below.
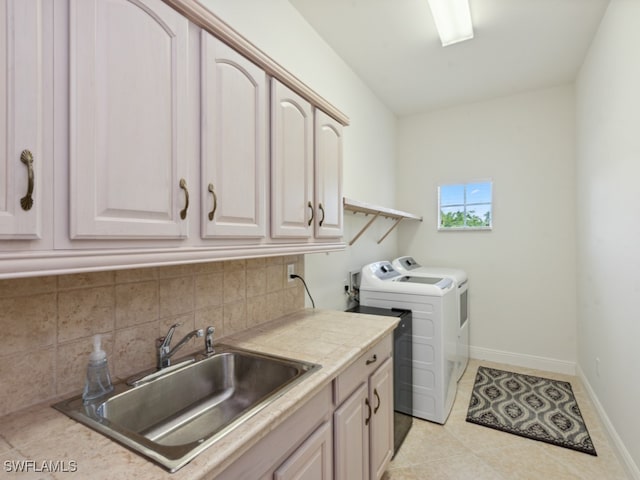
(533, 407)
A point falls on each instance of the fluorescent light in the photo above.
(453, 20)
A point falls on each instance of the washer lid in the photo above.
(439, 282)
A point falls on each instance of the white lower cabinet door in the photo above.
(312, 460)
(381, 425)
(351, 421)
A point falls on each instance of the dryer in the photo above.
(408, 266)
(432, 301)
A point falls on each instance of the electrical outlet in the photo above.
(354, 280)
(291, 270)
(597, 366)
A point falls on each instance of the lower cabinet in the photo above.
(312, 460)
(363, 419)
(347, 437)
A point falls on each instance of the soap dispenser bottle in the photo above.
(98, 382)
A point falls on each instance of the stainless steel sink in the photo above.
(172, 418)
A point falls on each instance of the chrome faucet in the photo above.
(163, 345)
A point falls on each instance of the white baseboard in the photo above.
(623, 454)
(522, 360)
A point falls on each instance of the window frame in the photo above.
(465, 205)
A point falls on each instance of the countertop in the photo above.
(52, 441)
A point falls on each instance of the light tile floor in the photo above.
(460, 450)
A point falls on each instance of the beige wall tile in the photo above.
(134, 349)
(293, 298)
(207, 268)
(256, 310)
(26, 379)
(136, 275)
(208, 290)
(234, 265)
(176, 296)
(136, 303)
(84, 280)
(275, 307)
(256, 262)
(27, 322)
(274, 261)
(174, 271)
(235, 286)
(27, 286)
(275, 278)
(256, 282)
(235, 317)
(84, 312)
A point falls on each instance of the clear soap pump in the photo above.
(98, 382)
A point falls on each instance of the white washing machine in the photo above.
(432, 301)
(408, 266)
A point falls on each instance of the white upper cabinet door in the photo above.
(234, 150)
(128, 112)
(24, 84)
(328, 176)
(292, 208)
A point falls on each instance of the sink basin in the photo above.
(172, 418)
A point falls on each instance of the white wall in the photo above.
(522, 273)
(608, 200)
(369, 147)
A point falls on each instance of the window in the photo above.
(466, 206)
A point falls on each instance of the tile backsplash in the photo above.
(46, 323)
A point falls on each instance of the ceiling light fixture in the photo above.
(453, 20)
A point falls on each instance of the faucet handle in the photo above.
(166, 340)
(208, 341)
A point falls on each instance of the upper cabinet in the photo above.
(25, 118)
(234, 150)
(328, 176)
(128, 171)
(292, 202)
(306, 168)
(149, 132)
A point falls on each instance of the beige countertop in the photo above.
(45, 436)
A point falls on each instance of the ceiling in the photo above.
(519, 45)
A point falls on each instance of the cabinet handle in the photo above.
(215, 202)
(26, 202)
(375, 392)
(310, 208)
(321, 210)
(373, 359)
(183, 186)
(366, 401)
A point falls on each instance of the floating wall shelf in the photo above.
(368, 209)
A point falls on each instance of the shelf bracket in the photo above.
(364, 229)
(395, 224)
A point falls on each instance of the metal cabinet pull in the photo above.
(26, 202)
(215, 202)
(366, 401)
(183, 186)
(373, 359)
(310, 208)
(375, 392)
(322, 210)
